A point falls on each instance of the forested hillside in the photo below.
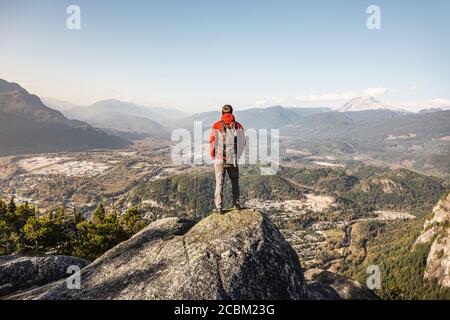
(358, 191)
(391, 247)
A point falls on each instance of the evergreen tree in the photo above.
(132, 221)
(6, 242)
(3, 209)
(11, 206)
(99, 215)
(46, 232)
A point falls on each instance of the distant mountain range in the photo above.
(57, 104)
(370, 124)
(16, 101)
(119, 116)
(362, 103)
(360, 119)
(113, 113)
(418, 141)
(370, 103)
(258, 118)
(28, 126)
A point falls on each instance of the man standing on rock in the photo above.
(227, 142)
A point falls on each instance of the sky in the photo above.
(199, 55)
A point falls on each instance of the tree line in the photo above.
(23, 229)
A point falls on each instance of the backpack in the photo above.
(223, 139)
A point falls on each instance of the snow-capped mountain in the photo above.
(362, 103)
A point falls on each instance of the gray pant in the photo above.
(233, 173)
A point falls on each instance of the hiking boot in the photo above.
(219, 211)
(237, 206)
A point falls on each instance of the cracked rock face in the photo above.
(437, 231)
(238, 255)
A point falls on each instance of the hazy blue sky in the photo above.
(198, 55)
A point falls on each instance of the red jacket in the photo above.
(227, 118)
